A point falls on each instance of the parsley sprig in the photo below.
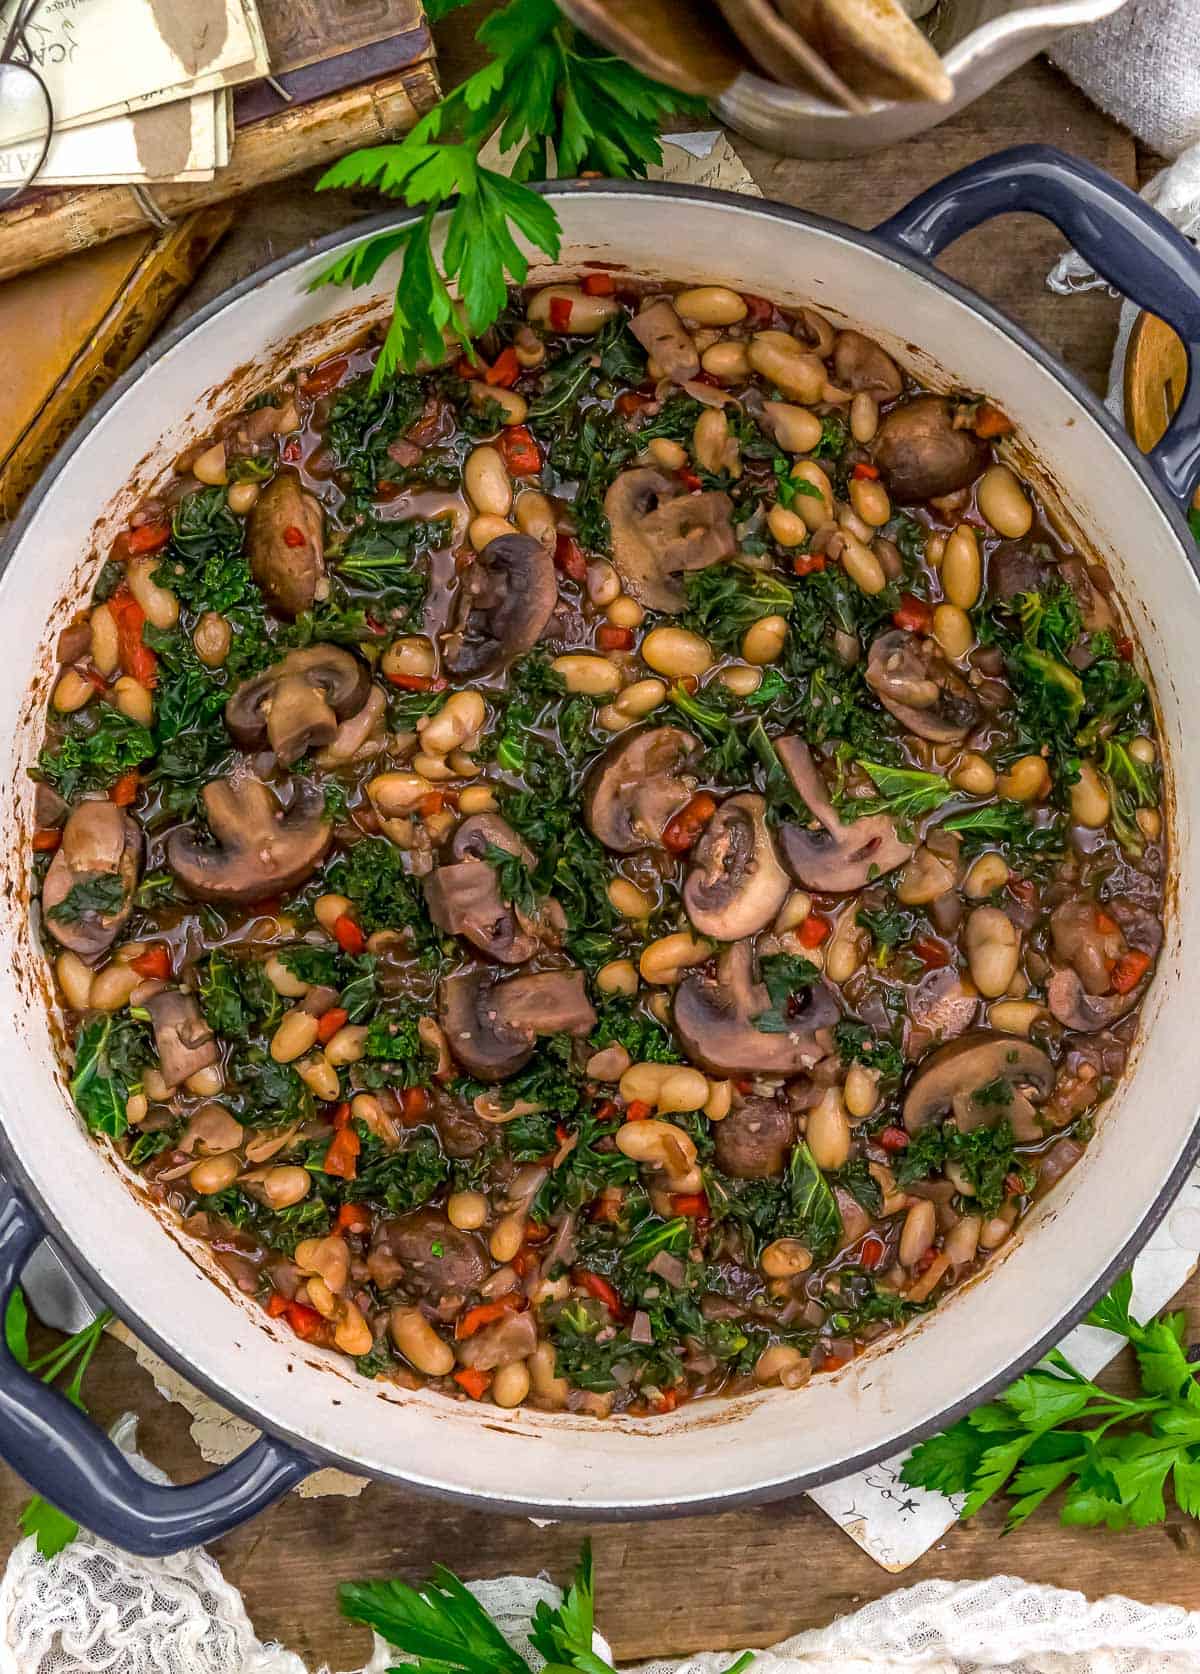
(445, 1629)
(1054, 1429)
(559, 104)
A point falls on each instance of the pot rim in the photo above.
(615, 1510)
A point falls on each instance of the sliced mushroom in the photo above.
(1079, 941)
(505, 601)
(285, 541)
(464, 899)
(425, 1255)
(735, 885)
(833, 856)
(860, 364)
(753, 1141)
(491, 1026)
(660, 531)
(638, 785)
(480, 832)
(261, 848)
(182, 1038)
(714, 1019)
(663, 334)
(1075, 1008)
(912, 680)
(499, 1344)
(297, 703)
(948, 1077)
(922, 455)
(99, 841)
(1020, 567)
(942, 1005)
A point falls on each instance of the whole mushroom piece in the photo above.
(714, 1019)
(947, 1080)
(638, 785)
(285, 542)
(182, 1038)
(506, 599)
(833, 856)
(735, 885)
(99, 842)
(491, 1026)
(916, 684)
(753, 1141)
(298, 703)
(660, 532)
(261, 848)
(921, 453)
(663, 334)
(464, 897)
(860, 365)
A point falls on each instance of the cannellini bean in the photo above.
(715, 449)
(793, 913)
(828, 1131)
(917, 1233)
(436, 769)
(710, 305)
(664, 959)
(419, 1343)
(871, 501)
(1144, 750)
(328, 1258)
(551, 1391)
(351, 1333)
(484, 397)
(861, 1091)
(1004, 503)
(993, 948)
(727, 361)
(962, 568)
(283, 981)
(282, 1186)
(985, 876)
(484, 529)
(794, 428)
(510, 1385)
(476, 799)
(211, 638)
(466, 1210)
(764, 640)
(159, 603)
(1027, 780)
(629, 900)
(740, 680)
(861, 565)
(640, 698)
(580, 671)
(347, 1046)
(206, 1082)
(782, 1363)
(642, 1081)
(134, 701)
(75, 980)
(411, 654)
(658, 1144)
(458, 720)
(1090, 804)
(952, 629)
(295, 1036)
(106, 652)
(320, 1297)
(327, 909)
(682, 1089)
(864, 417)
(242, 497)
(625, 612)
(588, 313)
(815, 509)
(214, 1174)
(137, 1107)
(72, 692)
(487, 482)
(782, 361)
(845, 949)
(962, 1241)
(112, 987)
(974, 774)
(1149, 823)
(784, 1258)
(534, 515)
(508, 1235)
(1015, 1017)
(320, 1077)
(619, 976)
(719, 1101)
(786, 526)
(210, 467)
(531, 351)
(995, 1232)
(672, 456)
(676, 652)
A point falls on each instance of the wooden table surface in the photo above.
(754, 1576)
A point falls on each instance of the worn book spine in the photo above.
(104, 309)
(47, 226)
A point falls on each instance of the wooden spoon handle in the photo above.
(783, 54)
(683, 43)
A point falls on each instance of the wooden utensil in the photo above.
(681, 42)
(783, 54)
(1156, 371)
(873, 45)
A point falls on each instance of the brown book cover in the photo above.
(318, 47)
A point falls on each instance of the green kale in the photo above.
(784, 975)
(393, 1053)
(985, 1155)
(531, 1137)
(103, 895)
(801, 1205)
(204, 565)
(623, 1022)
(889, 927)
(94, 752)
(1131, 785)
(586, 1171)
(237, 997)
(397, 1181)
(906, 792)
(362, 426)
(383, 560)
(373, 877)
(1008, 826)
(109, 1058)
(856, 1178)
(857, 1043)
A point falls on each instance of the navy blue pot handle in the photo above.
(61, 1453)
(1125, 240)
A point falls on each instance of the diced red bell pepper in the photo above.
(291, 451)
(863, 472)
(808, 563)
(341, 1115)
(487, 1313)
(990, 421)
(598, 284)
(147, 538)
(519, 451)
(667, 1401)
(814, 930)
(1105, 922)
(294, 536)
(347, 934)
(276, 1304)
(326, 377)
(414, 1104)
(1129, 970)
(693, 1205)
(759, 308)
(932, 953)
(475, 1382)
(637, 1110)
(154, 963)
(46, 840)
(124, 792)
(504, 370)
(352, 1217)
(914, 615)
(341, 1158)
(560, 313)
(135, 658)
(415, 682)
(599, 1288)
(629, 403)
(1125, 648)
(609, 638)
(431, 803)
(330, 1022)
(872, 1252)
(683, 831)
(690, 480)
(569, 558)
(306, 1322)
(894, 1139)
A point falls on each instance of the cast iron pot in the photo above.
(311, 1407)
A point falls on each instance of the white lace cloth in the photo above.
(96, 1610)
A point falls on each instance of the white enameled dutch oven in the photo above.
(311, 1407)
